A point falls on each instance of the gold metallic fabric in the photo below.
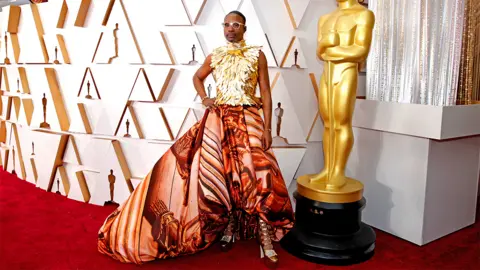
(469, 83)
(235, 69)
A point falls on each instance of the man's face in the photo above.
(234, 28)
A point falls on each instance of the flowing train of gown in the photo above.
(218, 168)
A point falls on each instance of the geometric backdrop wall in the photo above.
(95, 91)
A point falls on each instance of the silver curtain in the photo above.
(416, 50)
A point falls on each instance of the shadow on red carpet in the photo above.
(42, 230)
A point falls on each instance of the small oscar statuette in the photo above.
(18, 86)
(58, 187)
(127, 135)
(295, 53)
(279, 140)
(193, 62)
(13, 158)
(33, 149)
(209, 91)
(44, 124)
(88, 96)
(7, 60)
(115, 44)
(56, 56)
(111, 181)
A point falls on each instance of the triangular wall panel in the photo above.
(152, 121)
(290, 127)
(289, 57)
(296, 10)
(129, 126)
(255, 34)
(194, 9)
(114, 169)
(173, 13)
(230, 5)
(182, 42)
(30, 36)
(142, 89)
(118, 43)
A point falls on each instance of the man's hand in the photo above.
(208, 102)
(267, 140)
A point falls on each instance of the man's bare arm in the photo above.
(264, 83)
(200, 76)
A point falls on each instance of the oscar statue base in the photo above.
(127, 136)
(58, 192)
(110, 203)
(56, 62)
(7, 61)
(14, 172)
(88, 97)
(329, 233)
(192, 63)
(45, 125)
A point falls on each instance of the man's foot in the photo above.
(267, 253)
(228, 238)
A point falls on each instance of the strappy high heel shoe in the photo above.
(228, 238)
(267, 253)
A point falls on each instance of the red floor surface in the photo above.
(41, 230)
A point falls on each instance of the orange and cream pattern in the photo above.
(218, 168)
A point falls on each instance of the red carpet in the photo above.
(40, 230)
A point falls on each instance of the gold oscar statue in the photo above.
(209, 90)
(333, 200)
(56, 62)
(115, 44)
(127, 135)
(193, 61)
(6, 60)
(111, 181)
(278, 140)
(44, 124)
(88, 96)
(295, 54)
(58, 186)
(13, 159)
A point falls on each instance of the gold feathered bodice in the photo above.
(235, 69)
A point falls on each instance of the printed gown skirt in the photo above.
(217, 169)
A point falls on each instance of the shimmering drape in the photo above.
(416, 50)
(469, 84)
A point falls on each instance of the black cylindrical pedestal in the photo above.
(329, 233)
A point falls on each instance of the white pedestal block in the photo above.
(420, 166)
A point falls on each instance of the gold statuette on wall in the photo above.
(44, 124)
(111, 181)
(56, 62)
(328, 228)
(6, 60)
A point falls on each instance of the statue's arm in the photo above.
(357, 52)
(321, 41)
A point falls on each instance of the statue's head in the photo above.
(279, 104)
(234, 26)
(111, 171)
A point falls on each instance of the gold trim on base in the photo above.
(352, 191)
